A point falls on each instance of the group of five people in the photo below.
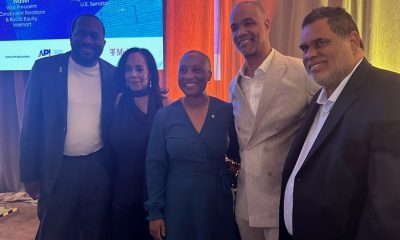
(96, 139)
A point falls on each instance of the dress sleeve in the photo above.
(156, 168)
(233, 147)
(31, 127)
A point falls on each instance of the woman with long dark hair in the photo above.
(136, 105)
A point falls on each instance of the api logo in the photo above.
(44, 53)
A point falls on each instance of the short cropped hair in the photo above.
(256, 4)
(206, 58)
(87, 15)
(340, 21)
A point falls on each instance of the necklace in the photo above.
(137, 93)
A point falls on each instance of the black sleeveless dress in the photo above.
(129, 138)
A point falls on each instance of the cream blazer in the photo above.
(265, 138)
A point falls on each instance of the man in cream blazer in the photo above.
(270, 96)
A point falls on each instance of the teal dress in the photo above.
(188, 182)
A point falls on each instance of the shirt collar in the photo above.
(323, 96)
(262, 69)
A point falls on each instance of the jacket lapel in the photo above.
(103, 89)
(344, 101)
(108, 95)
(239, 94)
(62, 81)
(300, 138)
(275, 73)
(241, 106)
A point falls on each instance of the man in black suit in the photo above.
(64, 139)
(341, 179)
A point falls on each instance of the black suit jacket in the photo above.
(349, 184)
(45, 118)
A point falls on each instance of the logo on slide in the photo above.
(49, 52)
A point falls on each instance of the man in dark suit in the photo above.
(342, 174)
(64, 139)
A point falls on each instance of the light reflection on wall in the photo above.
(384, 36)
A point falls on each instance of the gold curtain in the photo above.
(188, 26)
(381, 32)
(230, 58)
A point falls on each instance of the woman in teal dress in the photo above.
(187, 179)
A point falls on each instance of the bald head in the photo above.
(203, 57)
(252, 4)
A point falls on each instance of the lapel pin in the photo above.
(60, 70)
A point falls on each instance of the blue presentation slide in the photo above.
(30, 29)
